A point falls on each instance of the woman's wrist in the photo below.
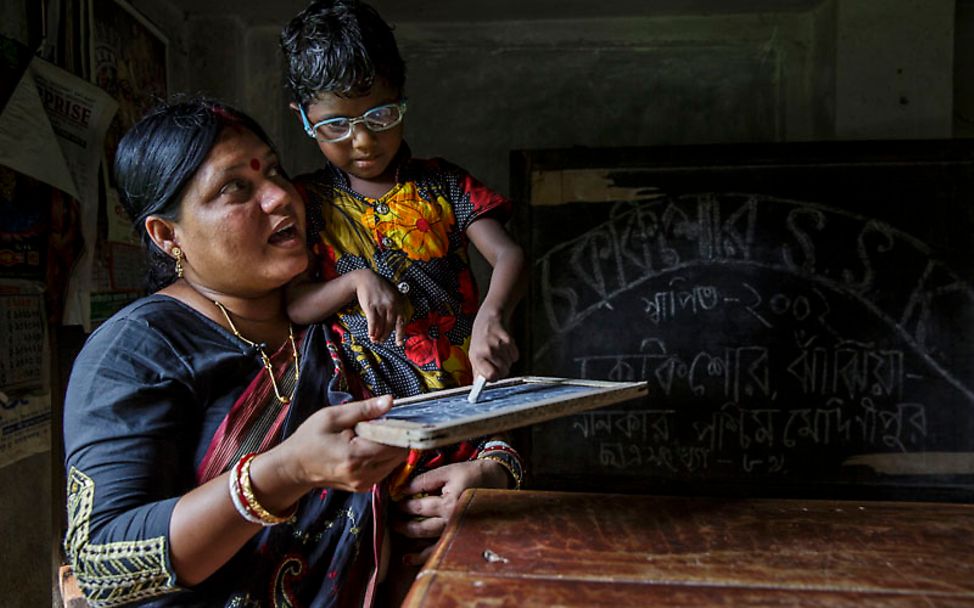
(506, 458)
(275, 484)
(245, 499)
(495, 475)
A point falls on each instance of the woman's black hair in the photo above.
(159, 155)
(340, 47)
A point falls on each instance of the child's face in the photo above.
(366, 155)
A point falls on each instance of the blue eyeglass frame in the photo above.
(311, 129)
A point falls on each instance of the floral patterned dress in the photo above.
(414, 237)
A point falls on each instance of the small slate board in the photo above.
(445, 417)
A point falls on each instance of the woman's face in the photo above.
(241, 223)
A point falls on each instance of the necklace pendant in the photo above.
(260, 349)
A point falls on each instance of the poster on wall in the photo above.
(25, 397)
(24, 220)
(129, 60)
(40, 236)
(80, 114)
(51, 133)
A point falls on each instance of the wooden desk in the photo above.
(551, 549)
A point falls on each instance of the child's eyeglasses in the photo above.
(379, 118)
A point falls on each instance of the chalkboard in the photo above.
(446, 416)
(803, 314)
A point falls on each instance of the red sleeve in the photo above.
(486, 202)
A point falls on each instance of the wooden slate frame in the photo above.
(465, 421)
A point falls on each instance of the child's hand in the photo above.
(433, 498)
(492, 349)
(384, 308)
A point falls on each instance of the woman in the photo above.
(204, 467)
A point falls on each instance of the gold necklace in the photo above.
(263, 355)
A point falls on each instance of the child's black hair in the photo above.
(157, 158)
(340, 47)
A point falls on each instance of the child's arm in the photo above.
(311, 301)
(492, 349)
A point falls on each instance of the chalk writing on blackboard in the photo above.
(779, 336)
(644, 242)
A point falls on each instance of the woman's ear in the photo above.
(162, 232)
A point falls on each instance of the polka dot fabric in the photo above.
(413, 236)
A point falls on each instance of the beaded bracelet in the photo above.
(503, 448)
(506, 456)
(495, 444)
(242, 495)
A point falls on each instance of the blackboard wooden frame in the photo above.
(941, 223)
(454, 419)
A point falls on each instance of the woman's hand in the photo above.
(434, 498)
(206, 531)
(492, 349)
(325, 452)
(384, 308)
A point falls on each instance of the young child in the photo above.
(390, 234)
(387, 224)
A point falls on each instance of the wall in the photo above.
(607, 82)
(963, 114)
(679, 73)
(894, 69)
(13, 21)
(26, 532)
(682, 73)
(175, 24)
(478, 90)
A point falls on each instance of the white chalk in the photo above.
(478, 386)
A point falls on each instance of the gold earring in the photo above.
(178, 253)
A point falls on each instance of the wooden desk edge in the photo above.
(432, 570)
(452, 527)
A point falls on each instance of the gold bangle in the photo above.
(507, 466)
(266, 517)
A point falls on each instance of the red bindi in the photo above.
(255, 164)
